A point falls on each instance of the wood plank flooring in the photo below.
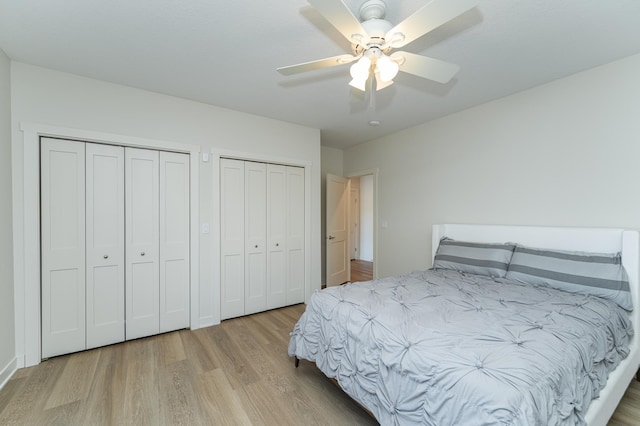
(236, 373)
(361, 270)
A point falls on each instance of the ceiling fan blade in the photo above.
(316, 65)
(428, 18)
(422, 66)
(341, 17)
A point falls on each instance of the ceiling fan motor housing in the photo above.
(377, 29)
(373, 9)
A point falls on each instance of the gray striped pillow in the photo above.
(475, 258)
(598, 274)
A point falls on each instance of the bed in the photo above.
(410, 357)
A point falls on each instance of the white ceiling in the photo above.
(226, 53)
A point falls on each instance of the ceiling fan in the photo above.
(373, 39)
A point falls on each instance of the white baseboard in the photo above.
(7, 372)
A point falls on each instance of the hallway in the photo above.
(361, 270)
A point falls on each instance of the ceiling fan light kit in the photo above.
(373, 38)
(360, 70)
(386, 68)
(360, 73)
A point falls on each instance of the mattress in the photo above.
(440, 347)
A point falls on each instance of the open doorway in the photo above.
(361, 228)
(350, 228)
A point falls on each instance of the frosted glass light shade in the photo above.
(360, 70)
(359, 84)
(382, 84)
(386, 68)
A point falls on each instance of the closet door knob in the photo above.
(106, 256)
(256, 246)
(141, 253)
(277, 245)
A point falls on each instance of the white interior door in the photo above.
(142, 245)
(276, 227)
(338, 265)
(174, 241)
(232, 238)
(255, 237)
(63, 246)
(104, 244)
(295, 235)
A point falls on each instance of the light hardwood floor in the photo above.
(361, 270)
(234, 373)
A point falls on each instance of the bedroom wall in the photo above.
(7, 327)
(331, 163)
(562, 154)
(45, 96)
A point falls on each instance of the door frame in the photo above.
(375, 173)
(26, 227)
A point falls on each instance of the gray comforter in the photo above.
(446, 348)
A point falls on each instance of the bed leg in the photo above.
(638, 375)
(297, 362)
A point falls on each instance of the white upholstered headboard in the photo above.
(602, 240)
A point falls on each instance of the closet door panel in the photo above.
(63, 246)
(174, 241)
(105, 244)
(142, 245)
(295, 235)
(232, 238)
(276, 228)
(255, 237)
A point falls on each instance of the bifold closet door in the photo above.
(94, 292)
(104, 244)
(174, 241)
(295, 236)
(262, 236)
(62, 181)
(232, 238)
(142, 242)
(276, 229)
(255, 255)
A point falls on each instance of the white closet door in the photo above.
(255, 237)
(105, 244)
(295, 235)
(276, 228)
(232, 238)
(174, 241)
(63, 246)
(142, 246)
